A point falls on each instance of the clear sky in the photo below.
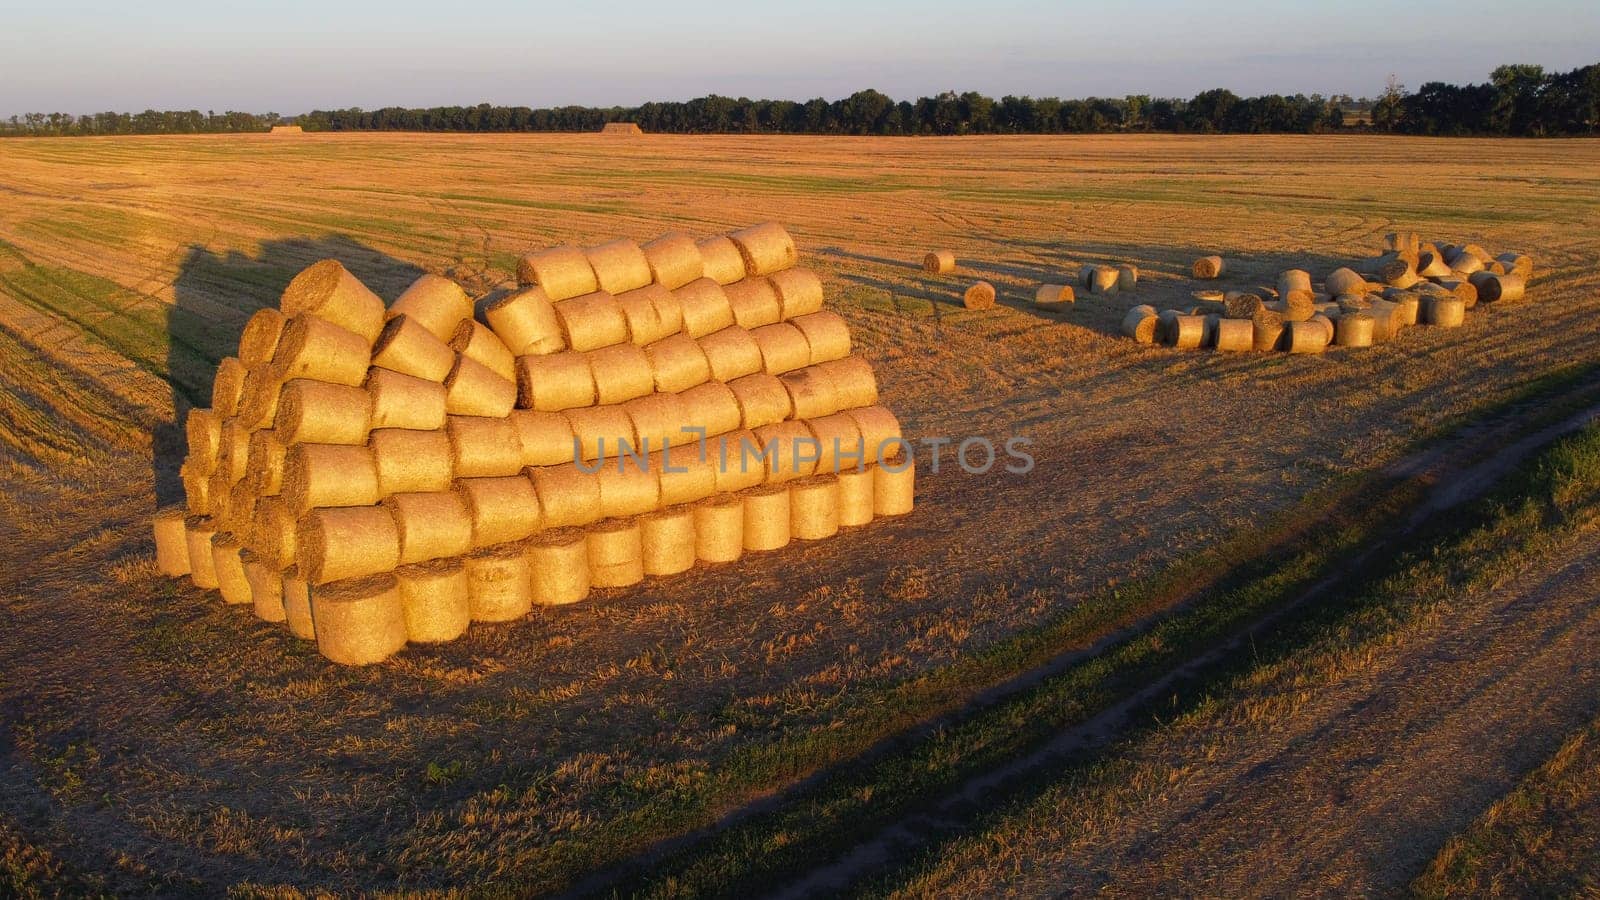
(290, 56)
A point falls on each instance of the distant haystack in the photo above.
(623, 128)
(287, 129)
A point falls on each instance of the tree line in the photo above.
(1518, 100)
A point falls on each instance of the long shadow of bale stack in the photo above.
(375, 475)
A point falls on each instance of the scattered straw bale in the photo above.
(766, 517)
(319, 350)
(762, 400)
(1519, 264)
(1326, 321)
(568, 496)
(667, 541)
(651, 313)
(1103, 279)
(616, 553)
(1344, 281)
(1394, 269)
(704, 306)
(1235, 335)
(853, 381)
(346, 542)
(765, 248)
(1447, 312)
(435, 599)
(563, 272)
(436, 303)
(266, 587)
(476, 342)
(172, 542)
(855, 496)
(1305, 337)
(198, 531)
(1140, 324)
(405, 401)
(712, 407)
(687, 472)
(430, 525)
(1207, 267)
(297, 605)
(592, 321)
(674, 260)
(1354, 330)
(1127, 277)
(1432, 265)
(499, 584)
(980, 295)
(483, 446)
(555, 382)
(559, 564)
(799, 292)
(526, 322)
(811, 393)
(783, 348)
(359, 622)
(405, 346)
(1461, 288)
(227, 386)
(894, 486)
(328, 291)
(731, 353)
(723, 262)
(754, 302)
(740, 463)
(1293, 283)
(939, 262)
(719, 529)
(226, 562)
(408, 461)
(657, 421)
(1053, 296)
(329, 475)
(601, 432)
(1464, 264)
(814, 508)
(545, 437)
(619, 266)
(677, 363)
(473, 389)
(1239, 305)
(1385, 321)
(1184, 332)
(259, 340)
(502, 509)
(621, 372)
(1494, 288)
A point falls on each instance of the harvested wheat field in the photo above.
(154, 738)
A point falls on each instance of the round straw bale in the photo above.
(297, 605)
(526, 322)
(405, 401)
(1127, 277)
(266, 587)
(436, 600)
(198, 531)
(405, 346)
(559, 563)
(1238, 305)
(1305, 337)
(616, 553)
(894, 486)
(814, 508)
(258, 405)
(741, 461)
(1432, 265)
(677, 363)
(502, 509)
(766, 517)
(1354, 330)
(674, 260)
(811, 393)
(545, 437)
(1103, 280)
(853, 381)
(196, 488)
(1140, 324)
(855, 496)
(1185, 332)
(312, 348)
(1402, 241)
(407, 461)
(347, 542)
(799, 292)
(619, 266)
(602, 432)
(568, 496)
(359, 622)
(1468, 250)
(172, 541)
(880, 432)
(1053, 296)
(235, 456)
(330, 475)
(765, 248)
(704, 306)
(329, 292)
(476, 342)
(483, 447)
(436, 303)
(792, 450)
(259, 340)
(1495, 266)
(1344, 281)
(1391, 267)
(651, 313)
(562, 271)
(265, 457)
(840, 442)
(783, 348)
(1493, 288)
(1461, 288)
(218, 490)
(711, 407)
(500, 583)
(1235, 335)
(316, 412)
(473, 389)
(658, 421)
(1326, 321)
(1207, 267)
(555, 382)
(1385, 321)
(227, 386)
(1465, 264)
(762, 399)
(1448, 312)
(592, 321)
(980, 295)
(731, 353)
(939, 262)
(1407, 309)
(827, 335)
(723, 262)
(1294, 283)
(275, 528)
(687, 473)
(621, 373)
(754, 302)
(719, 529)
(1519, 264)
(666, 540)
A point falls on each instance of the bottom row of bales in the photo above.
(360, 621)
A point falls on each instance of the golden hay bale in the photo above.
(526, 322)
(1234, 335)
(827, 335)
(196, 488)
(218, 489)
(1462, 288)
(652, 313)
(475, 341)
(1326, 321)
(346, 542)
(1402, 241)
(198, 531)
(853, 381)
(235, 455)
(499, 583)
(1432, 265)
(229, 568)
(855, 496)
(1465, 250)
(601, 432)
(172, 541)
(731, 353)
(616, 553)
(502, 509)
(1207, 267)
(297, 605)
(619, 266)
(657, 420)
(719, 529)
(677, 363)
(704, 306)
(568, 496)
(762, 399)
(880, 431)
(674, 260)
(329, 292)
(405, 401)
(1304, 337)
(483, 446)
(1385, 321)
(1406, 310)
(783, 348)
(274, 535)
(839, 441)
(545, 437)
(1393, 269)
(314, 412)
(555, 382)
(259, 404)
(405, 346)
(1184, 332)
(592, 321)
(711, 407)
(227, 386)
(1103, 280)
(559, 564)
(814, 508)
(406, 461)
(1127, 277)
(1240, 305)
(754, 302)
(1295, 283)
(894, 486)
(811, 393)
(740, 461)
(1465, 264)
(435, 598)
(939, 262)
(436, 303)
(259, 340)
(666, 540)
(312, 348)
(1141, 324)
(329, 475)
(1354, 330)
(1053, 296)
(765, 248)
(359, 622)
(473, 389)
(1344, 281)
(799, 292)
(265, 457)
(1493, 288)
(621, 373)
(686, 473)
(1519, 264)
(562, 271)
(722, 260)
(1447, 312)
(792, 450)
(766, 517)
(266, 587)
(980, 295)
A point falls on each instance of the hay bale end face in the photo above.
(1207, 267)
(979, 296)
(939, 262)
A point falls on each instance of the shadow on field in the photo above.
(214, 295)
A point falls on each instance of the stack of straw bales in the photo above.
(373, 475)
